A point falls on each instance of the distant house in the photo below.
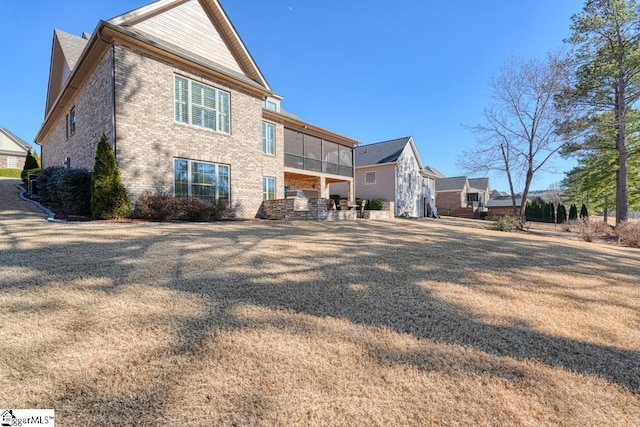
(391, 170)
(479, 192)
(186, 109)
(13, 150)
(502, 205)
(461, 196)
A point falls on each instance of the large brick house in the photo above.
(186, 110)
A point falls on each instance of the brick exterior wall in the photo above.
(19, 160)
(149, 139)
(448, 202)
(94, 107)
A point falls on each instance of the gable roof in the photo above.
(380, 152)
(456, 183)
(66, 49)
(127, 28)
(21, 142)
(430, 170)
(479, 183)
(212, 24)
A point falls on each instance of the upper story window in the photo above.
(201, 105)
(370, 177)
(271, 104)
(72, 121)
(268, 138)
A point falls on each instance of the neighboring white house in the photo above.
(13, 150)
(392, 170)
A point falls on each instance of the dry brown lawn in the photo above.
(355, 323)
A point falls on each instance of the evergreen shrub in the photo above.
(109, 199)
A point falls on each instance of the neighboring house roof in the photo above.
(380, 152)
(495, 193)
(503, 201)
(430, 170)
(480, 183)
(456, 183)
(21, 142)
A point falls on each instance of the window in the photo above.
(72, 121)
(200, 105)
(370, 177)
(270, 105)
(268, 188)
(209, 181)
(66, 126)
(268, 138)
(12, 162)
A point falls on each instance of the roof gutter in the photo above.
(113, 91)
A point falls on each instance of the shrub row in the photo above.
(11, 172)
(165, 207)
(541, 211)
(70, 187)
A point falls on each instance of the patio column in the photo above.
(324, 188)
(351, 191)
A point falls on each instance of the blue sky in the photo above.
(370, 70)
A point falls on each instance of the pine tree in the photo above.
(109, 198)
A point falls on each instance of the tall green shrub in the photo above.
(584, 213)
(49, 181)
(75, 191)
(562, 214)
(573, 212)
(109, 198)
(30, 162)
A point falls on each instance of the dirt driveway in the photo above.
(296, 323)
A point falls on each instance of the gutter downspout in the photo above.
(113, 91)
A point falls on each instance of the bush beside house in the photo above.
(109, 199)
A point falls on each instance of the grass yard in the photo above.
(354, 323)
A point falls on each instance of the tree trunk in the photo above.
(622, 202)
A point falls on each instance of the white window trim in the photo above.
(219, 114)
(265, 141)
(265, 191)
(375, 178)
(190, 176)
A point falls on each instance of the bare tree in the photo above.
(518, 135)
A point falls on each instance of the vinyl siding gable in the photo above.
(187, 25)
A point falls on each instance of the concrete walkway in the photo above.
(12, 207)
